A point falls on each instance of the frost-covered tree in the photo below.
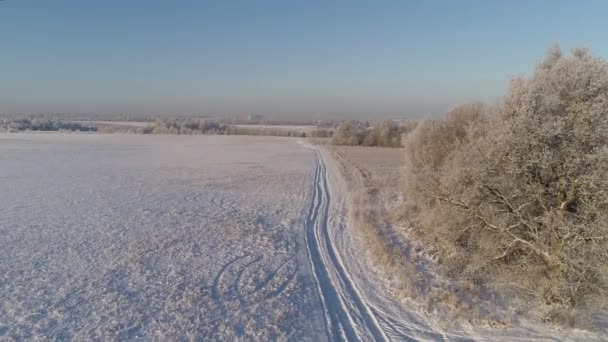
(385, 134)
(349, 132)
(520, 194)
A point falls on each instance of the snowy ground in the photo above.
(119, 237)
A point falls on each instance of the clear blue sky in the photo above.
(304, 59)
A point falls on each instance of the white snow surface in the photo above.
(118, 237)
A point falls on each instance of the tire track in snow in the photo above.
(226, 204)
(347, 315)
(216, 289)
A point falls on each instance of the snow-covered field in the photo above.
(122, 237)
(119, 237)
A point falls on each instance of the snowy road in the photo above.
(356, 305)
(358, 300)
(347, 315)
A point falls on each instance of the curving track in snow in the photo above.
(347, 315)
(358, 303)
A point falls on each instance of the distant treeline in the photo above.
(10, 125)
(385, 134)
(206, 126)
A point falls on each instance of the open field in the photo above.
(242, 171)
(216, 238)
(119, 237)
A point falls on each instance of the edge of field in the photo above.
(368, 187)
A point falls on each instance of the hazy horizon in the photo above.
(304, 61)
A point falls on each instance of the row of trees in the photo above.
(37, 124)
(187, 126)
(517, 193)
(385, 133)
(160, 126)
(169, 126)
(204, 126)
